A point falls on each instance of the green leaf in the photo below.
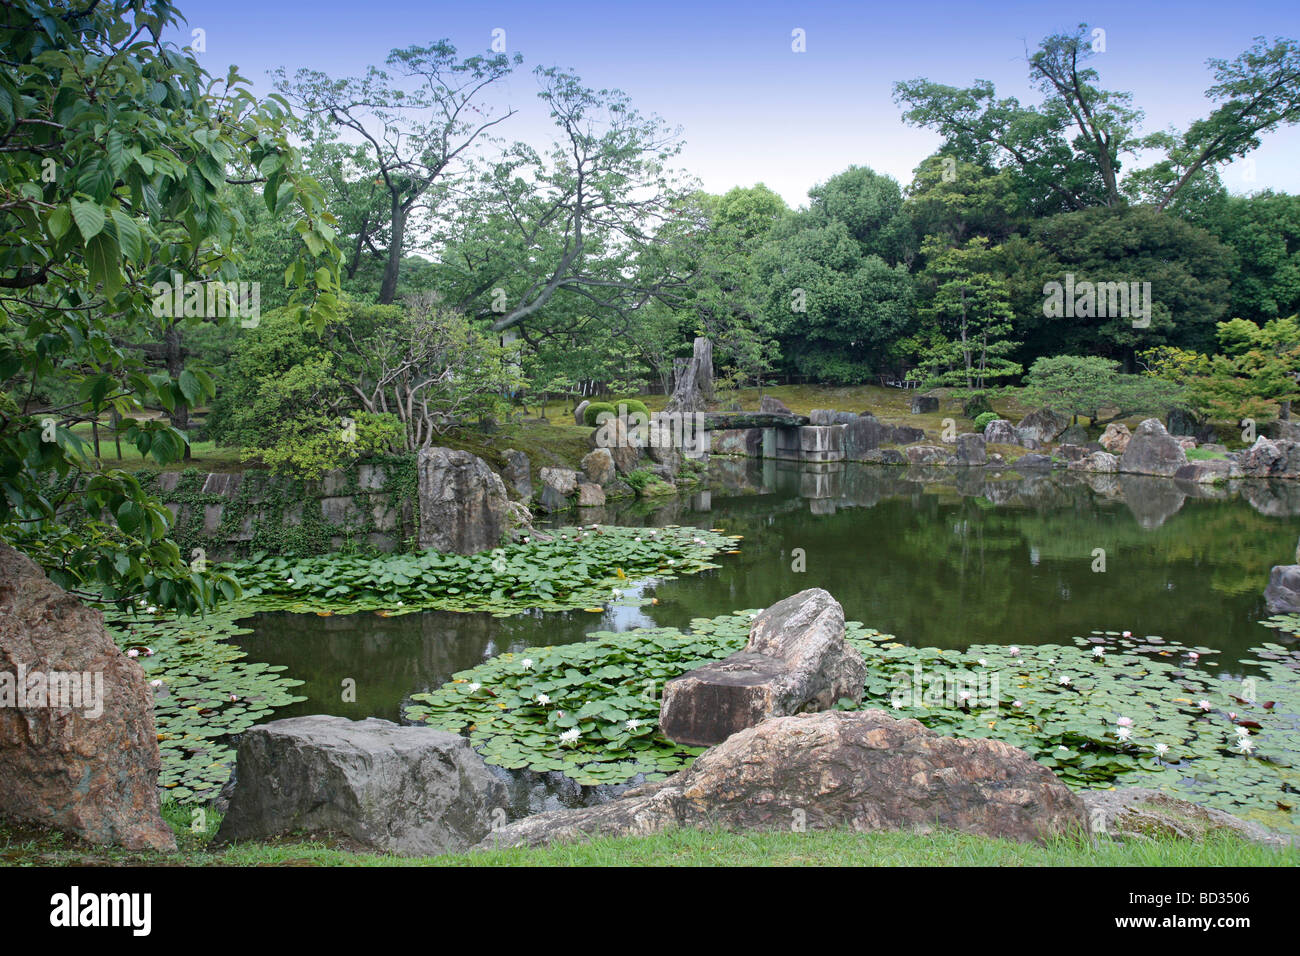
(90, 218)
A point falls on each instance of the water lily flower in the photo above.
(1243, 731)
(570, 735)
(1017, 703)
(1161, 749)
(1099, 652)
(474, 686)
(897, 704)
(617, 593)
(543, 699)
(152, 609)
(1127, 634)
(526, 663)
(964, 696)
(982, 662)
(632, 724)
(1203, 704)
(1123, 733)
(155, 683)
(234, 697)
(525, 539)
(1245, 745)
(133, 653)
(1063, 680)
(1013, 651)
(1193, 655)
(1125, 721)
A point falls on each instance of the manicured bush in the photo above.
(595, 408)
(634, 406)
(975, 403)
(982, 420)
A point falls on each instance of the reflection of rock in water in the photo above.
(1277, 499)
(1152, 500)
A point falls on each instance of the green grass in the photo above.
(844, 847)
(1200, 454)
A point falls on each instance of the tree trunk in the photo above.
(174, 355)
(388, 290)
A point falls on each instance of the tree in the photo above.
(1255, 375)
(1068, 151)
(971, 308)
(1088, 385)
(581, 223)
(410, 130)
(116, 152)
(871, 207)
(1264, 231)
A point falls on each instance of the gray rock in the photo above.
(1208, 471)
(860, 769)
(1033, 463)
(590, 495)
(1043, 425)
(1270, 459)
(624, 445)
(598, 465)
(1097, 462)
(927, 455)
(1141, 814)
(970, 449)
(1283, 592)
(795, 660)
(924, 404)
(1001, 432)
(405, 790)
(1074, 435)
(1282, 430)
(558, 484)
(463, 503)
(1152, 451)
(579, 412)
(518, 474)
(1073, 452)
(773, 406)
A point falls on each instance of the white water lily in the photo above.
(1013, 651)
(570, 735)
(1123, 733)
(1193, 655)
(155, 683)
(543, 699)
(133, 653)
(526, 663)
(1127, 634)
(474, 686)
(1063, 680)
(617, 593)
(1243, 731)
(1124, 721)
(632, 724)
(897, 704)
(1245, 745)
(1017, 703)
(982, 662)
(1204, 704)
(151, 609)
(1161, 749)
(1099, 652)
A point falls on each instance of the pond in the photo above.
(936, 559)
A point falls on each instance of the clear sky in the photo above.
(752, 110)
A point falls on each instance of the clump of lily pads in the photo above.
(1108, 710)
(204, 691)
(570, 568)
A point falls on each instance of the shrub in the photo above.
(975, 404)
(633, 406)
(983, 418)
(595, 408)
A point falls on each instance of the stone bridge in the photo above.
(781, 436)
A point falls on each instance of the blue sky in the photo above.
(751, 110)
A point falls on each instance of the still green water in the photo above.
(931, 559)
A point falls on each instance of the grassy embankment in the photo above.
(25, 847)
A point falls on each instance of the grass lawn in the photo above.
(20, 847)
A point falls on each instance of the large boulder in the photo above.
(1043, 425)
(1153, 451)
(864, 770)
(517, 474)
(580, 412)
(1097, 462)
(1001, 432)
(1270, 459)
(78, 743)
(1115, 438)
(770, 405)
(598, 466)
(407, 790)
(927, 455)
(558, 484)
(796, 659)
(1283, 592)
(624, 445)
(924, 404)
(463, 503)
(971, 450)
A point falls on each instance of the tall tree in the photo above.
(411, 131)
